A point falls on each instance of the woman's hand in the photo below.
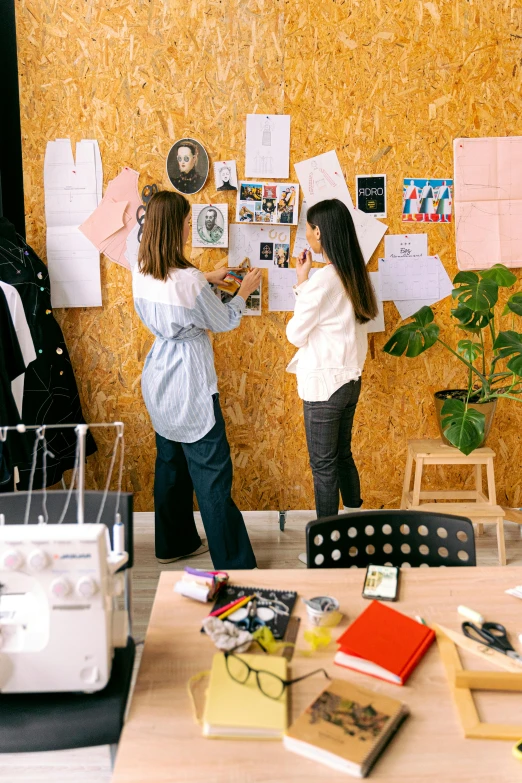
(251, 283)
(216, 276)
(303, 266)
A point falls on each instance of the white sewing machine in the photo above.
(58, 628)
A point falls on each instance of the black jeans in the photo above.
(329, 438)
(204, 466)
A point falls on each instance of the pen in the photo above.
(225, 612)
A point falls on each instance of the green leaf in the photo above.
(500, 274)
(514, 304)
(510, 344)
(471, 321)
(414, 338)
(462, 426)
(478, 295)
(469, 350)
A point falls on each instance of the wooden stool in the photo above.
(479, 508)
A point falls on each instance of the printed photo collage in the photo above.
(267, 202)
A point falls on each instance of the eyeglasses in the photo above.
(184, 158)
(268, 683)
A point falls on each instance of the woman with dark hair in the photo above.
(175, 301)
(329, 327)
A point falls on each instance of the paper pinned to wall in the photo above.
(210, 225)
(488, 202)
(267, 202)
(407, 308)
(300, 242)
(264, 246)
(72, 192)
(405, 245)
(377, 325)
(409, 278)
(322, 178)
(281, 295)
(267, 146)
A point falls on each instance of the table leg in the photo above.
(419, 465)
(490, 471)
(501, 541)
(478, 487)
(407, 479)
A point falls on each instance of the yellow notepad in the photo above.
(235, 711)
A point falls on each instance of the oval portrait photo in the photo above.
(187, 166)
(211, 225)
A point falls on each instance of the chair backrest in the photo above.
(399, 538)
(13, 506)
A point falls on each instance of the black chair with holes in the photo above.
(399, 538)
(61, 721)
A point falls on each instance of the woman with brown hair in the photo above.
(329, 327)
(175, 301)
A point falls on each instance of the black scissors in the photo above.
(251, 622)
(494, 636)
(146, 194)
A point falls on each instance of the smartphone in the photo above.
(381, 582)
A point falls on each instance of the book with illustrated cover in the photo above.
(274, 607)
(346, 727)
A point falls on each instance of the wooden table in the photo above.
(161, 742)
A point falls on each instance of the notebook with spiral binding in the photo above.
(274, 607)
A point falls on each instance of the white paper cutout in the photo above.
(73, 190)
(409, 307)
(377, 325)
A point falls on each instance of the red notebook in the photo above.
(384, 643)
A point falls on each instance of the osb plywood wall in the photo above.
(388, 84)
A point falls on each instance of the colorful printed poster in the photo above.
(371, 194)
(427, 200)
(267, 202)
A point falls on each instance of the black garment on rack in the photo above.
(13, 449)
(50, 391)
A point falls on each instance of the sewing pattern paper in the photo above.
(73, 189)
(267, 146)
(300, 242)
(210, 225)
(322, 178)
(110, 224)
(281, 294)
(488, 202)
(264, 246)
(267, 202)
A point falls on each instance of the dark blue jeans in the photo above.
(329, 438)
(206, 468)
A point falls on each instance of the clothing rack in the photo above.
(81, 433)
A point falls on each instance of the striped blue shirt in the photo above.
(179, 377)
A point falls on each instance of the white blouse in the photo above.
(332, 344)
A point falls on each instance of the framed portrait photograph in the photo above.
(187, 166)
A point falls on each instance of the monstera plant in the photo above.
(490, 349)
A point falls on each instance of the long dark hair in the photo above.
(161, 246)
(341, 247)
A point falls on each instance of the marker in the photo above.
(224, 612)
(470, 614)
